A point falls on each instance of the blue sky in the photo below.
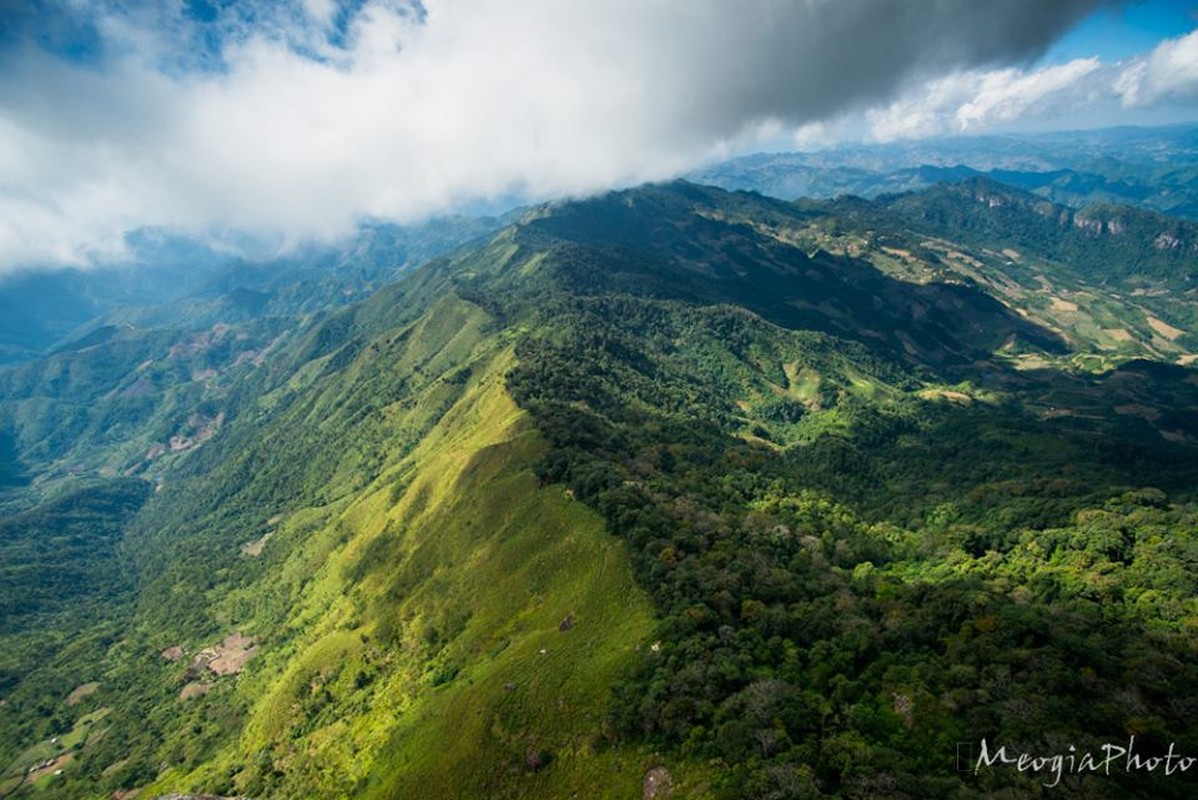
(298, 119)
(1124, 31)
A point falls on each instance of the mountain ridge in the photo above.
(655, 426)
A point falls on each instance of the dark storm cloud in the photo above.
(801, 61)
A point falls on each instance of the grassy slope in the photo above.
(417, 667)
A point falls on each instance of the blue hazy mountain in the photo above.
(1155, 168)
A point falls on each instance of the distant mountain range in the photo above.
(1154, 168)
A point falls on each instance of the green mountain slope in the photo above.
(417, 658)
(1102, 242)
(63, 587)
(670, 484)
(1131, 272)
(841, 570)
(1112, 283)
(408, 568)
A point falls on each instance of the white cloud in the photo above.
(976, 100)
(407, 116)
(1006, 95)
(1071, 94)
(321, 11)
(1169, 72)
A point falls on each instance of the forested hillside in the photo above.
(669, 487)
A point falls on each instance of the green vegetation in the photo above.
(786, 499)
(426, 649)
(840, 613)
(1128, 272)
(63, 593)
(1100, 242)
(63, 551)
(12, 472)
